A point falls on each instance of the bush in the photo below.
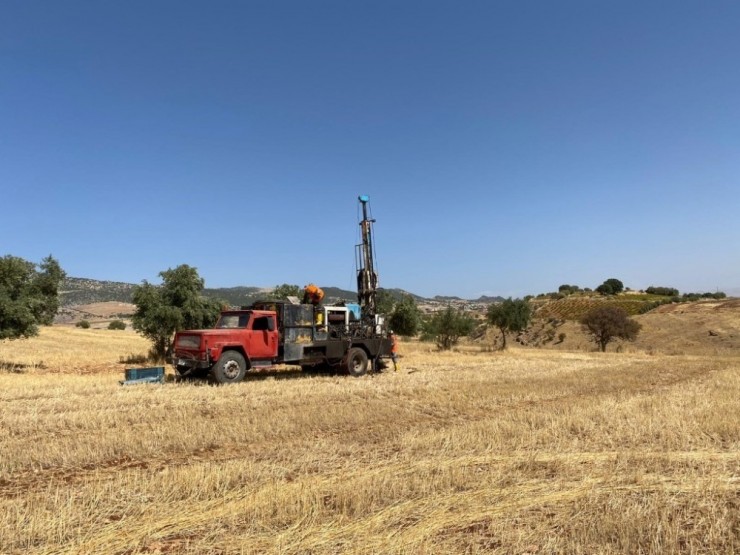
(567, 289)
(84, 324)
(117, 325)
(717, 295)
(685, 298)
(663, 291)
(647, 307)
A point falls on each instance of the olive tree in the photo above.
(608, 322)
(177, 304)
(406, 317)
(385, 302)
(509, 316)
(447, 326)
(29, 295)
(611, 286)
(282, 292)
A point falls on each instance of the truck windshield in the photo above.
(232, 321)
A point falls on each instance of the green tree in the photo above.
(406, 317)
(84, 324)
(282, 292)
(447, 326)
(566, 289)
(29, 295)
(117, 325)
(611, 286)
(175, 305)
(510, 316)
(385, 302)
(608, 322)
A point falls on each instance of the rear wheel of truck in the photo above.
(230, 368)
(356, 364)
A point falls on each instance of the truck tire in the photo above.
(356, 364)
(230, 368)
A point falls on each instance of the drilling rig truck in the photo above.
(347, 337)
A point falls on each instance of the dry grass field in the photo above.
(527, 451)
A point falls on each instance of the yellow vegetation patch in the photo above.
(71, 350)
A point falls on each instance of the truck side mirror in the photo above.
(271, 324)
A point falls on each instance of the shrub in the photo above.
(567, 289)
(84, 324)
(117, 325)
(664, 291)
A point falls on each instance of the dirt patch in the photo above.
(98, 314)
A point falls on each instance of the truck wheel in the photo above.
(230, 368)
(356, 364)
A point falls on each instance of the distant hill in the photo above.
(242, 296)
(235, 296)
(78, 291)
(487, 299)
(82, 291)
(399, 294)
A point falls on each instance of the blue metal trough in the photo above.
(135, 376)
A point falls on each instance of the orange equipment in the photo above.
(312, 294)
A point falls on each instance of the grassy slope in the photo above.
(527, 451)
(670, 329)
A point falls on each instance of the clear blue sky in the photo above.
(507, 147)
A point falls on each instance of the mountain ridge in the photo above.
(81, 291)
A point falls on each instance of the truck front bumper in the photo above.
(185, 366)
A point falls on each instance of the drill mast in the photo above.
(367, 278)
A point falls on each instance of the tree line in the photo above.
(29, 297)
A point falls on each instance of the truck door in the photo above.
(264, 338)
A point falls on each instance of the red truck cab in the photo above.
(241, 340)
